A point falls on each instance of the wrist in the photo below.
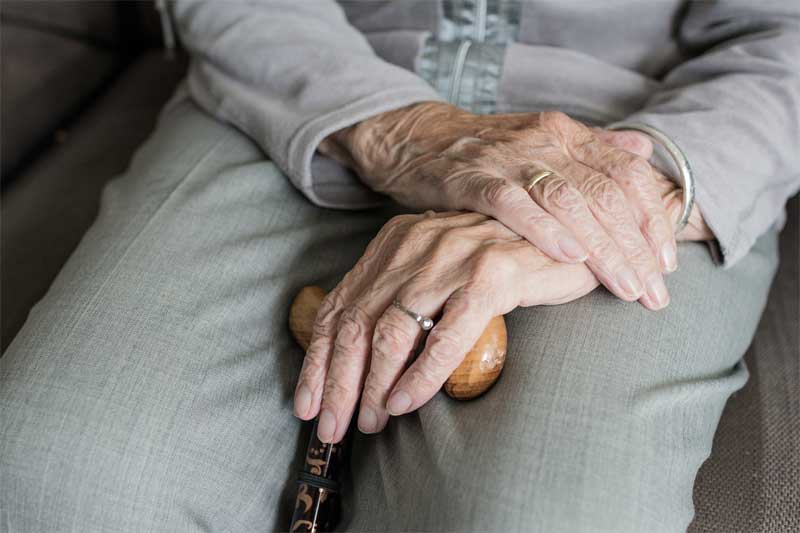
(377, 146)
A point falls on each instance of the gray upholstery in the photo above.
(47, 209)
(45, 77)
(94, 21)
(752, 481)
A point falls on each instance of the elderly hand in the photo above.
(464, 266)
(602, 202)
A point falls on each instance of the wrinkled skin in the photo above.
(604, 206)
(464, 268)
(461, 267)
(467, 266)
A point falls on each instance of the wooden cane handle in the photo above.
(474, 376)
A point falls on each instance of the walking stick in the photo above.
(317, 506)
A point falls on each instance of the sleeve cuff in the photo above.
(326, 182)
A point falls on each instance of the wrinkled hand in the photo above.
(603, 204)
(465, 267)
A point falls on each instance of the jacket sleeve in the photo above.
(288, 73)
(734, 109)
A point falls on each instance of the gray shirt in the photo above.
(722, 79)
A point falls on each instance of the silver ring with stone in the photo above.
(424, 322)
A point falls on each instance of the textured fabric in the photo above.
(722, 79)
(750, 484)
(151, 388)
(289, 73)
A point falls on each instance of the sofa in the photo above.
(82, 85)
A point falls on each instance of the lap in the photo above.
(152, 385)
(600, 421)
(150, 388)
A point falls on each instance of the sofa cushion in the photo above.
(52, 203)
(90, 21)
(44, 77)
(750, 483)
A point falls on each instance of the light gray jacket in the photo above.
(722, 79)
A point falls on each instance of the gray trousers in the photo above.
(151, 388)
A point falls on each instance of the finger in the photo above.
(349, 361)
(348, 364)
(636, 177)
(552, 284)
(510, 204)
(309, 389)
(611, 208)
(396, 337)
(462, 323)
(308, 392)
(630, 141)
(563, 200)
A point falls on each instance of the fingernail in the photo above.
(399, 403)
(669, 259)
(629, 282)
(367, 420)
(302, 401)
(572, 249)
(326, 426)
(657, 291)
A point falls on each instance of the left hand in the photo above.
(466, 267)
(639, 144)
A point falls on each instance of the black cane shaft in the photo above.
(318, 504)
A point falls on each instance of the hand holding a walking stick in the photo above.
(441, 274)
(442, 281)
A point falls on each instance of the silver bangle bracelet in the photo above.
(686, 176)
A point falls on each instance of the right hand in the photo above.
(462, 268)
(602, 206)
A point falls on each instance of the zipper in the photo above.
(458, 71)
(481, 9)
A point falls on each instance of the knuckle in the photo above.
(466, 300)
(606, 194)
(658, 227)
(353, 325)
(492, 263)
(324, 323)
(391, 343)
(605, 251)
(443, 348)
(559, 194)
(322, 328)
(314, 365)
(631, 170)
(399, 220)
(498, 193)
(422, 228)
(336, 391)
(632, 141)
(555, 120)
(455, 239)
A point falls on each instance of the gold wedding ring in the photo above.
(536, 178)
